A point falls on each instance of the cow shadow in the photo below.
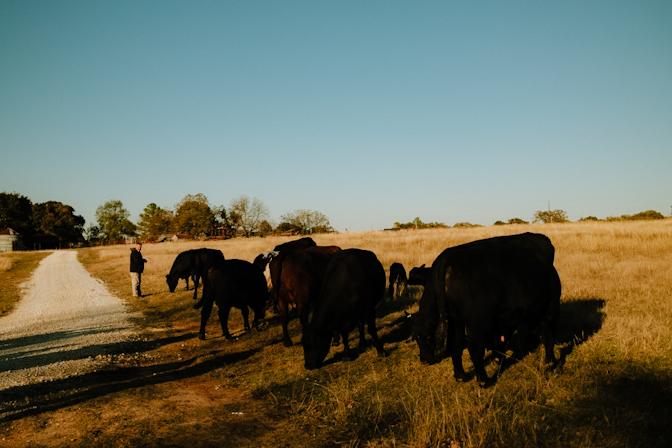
(578, 320)
(23, 401)
(28, 357)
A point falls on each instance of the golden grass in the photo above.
(614, 389)
(15, 268)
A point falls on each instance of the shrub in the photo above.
(551, 216)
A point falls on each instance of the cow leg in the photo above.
(196, 286)
(548, 336)
(224, 320)
(206, 292)
(347, 353)
(477, 353)
(362, 337)
(258, 316)
(186, 280)
(521, 342)
(205, 315)
(456, 352)
(371, 324)
(284, 318)
(246, 317)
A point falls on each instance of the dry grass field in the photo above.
(614, 389)
(15, 268)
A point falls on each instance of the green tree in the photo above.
(306, 221)
(227, 222)
(154, 221)
(92, 233)
(56, 225)
(550, 216)
(16, 212)
(193, 216)
(249, 213)
(113, 221)
(265, 228)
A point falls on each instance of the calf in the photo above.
(488, 291)
(418, 276)
(354, 283)
(233, 283)
(398, 280)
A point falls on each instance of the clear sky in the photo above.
(368, 111)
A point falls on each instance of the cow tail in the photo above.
(439, 277)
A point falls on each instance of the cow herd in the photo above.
(499, 293)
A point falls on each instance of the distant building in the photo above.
(9, 240)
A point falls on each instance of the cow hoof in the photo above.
(287, 342)
(197, 305)
(383, 353)
(461, 378)
(484, 384)
(201, 336)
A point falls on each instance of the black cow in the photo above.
(194, 263)
(490, 291)
(398, 279)
(275, 265)
(418, 276)
(354, 283)
(233, 283)
(300, 283)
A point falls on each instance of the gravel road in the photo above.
(64, 324)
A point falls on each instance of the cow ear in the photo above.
(423, 265)
(167, 275)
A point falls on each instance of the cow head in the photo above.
(429, 329)
(172, 280)
(315, 348)
(419, 276)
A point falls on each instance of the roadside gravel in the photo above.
(66, 324)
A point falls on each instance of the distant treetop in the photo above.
(417, 223)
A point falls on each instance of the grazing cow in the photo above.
(300, 282)
(233, 283)
(398, 280)
(490, 291)
(275, 265)
(194, 263)
(354, 283)
(418, 276)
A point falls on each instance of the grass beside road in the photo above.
(15, 269)
(614, 389)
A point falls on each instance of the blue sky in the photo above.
(370, 112)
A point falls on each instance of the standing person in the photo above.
(137, 266)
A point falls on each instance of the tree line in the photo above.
(53, 224)
(44, 225)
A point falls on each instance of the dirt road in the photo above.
(65, 321)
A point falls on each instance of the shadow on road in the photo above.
(36, 357)
(23, 401)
